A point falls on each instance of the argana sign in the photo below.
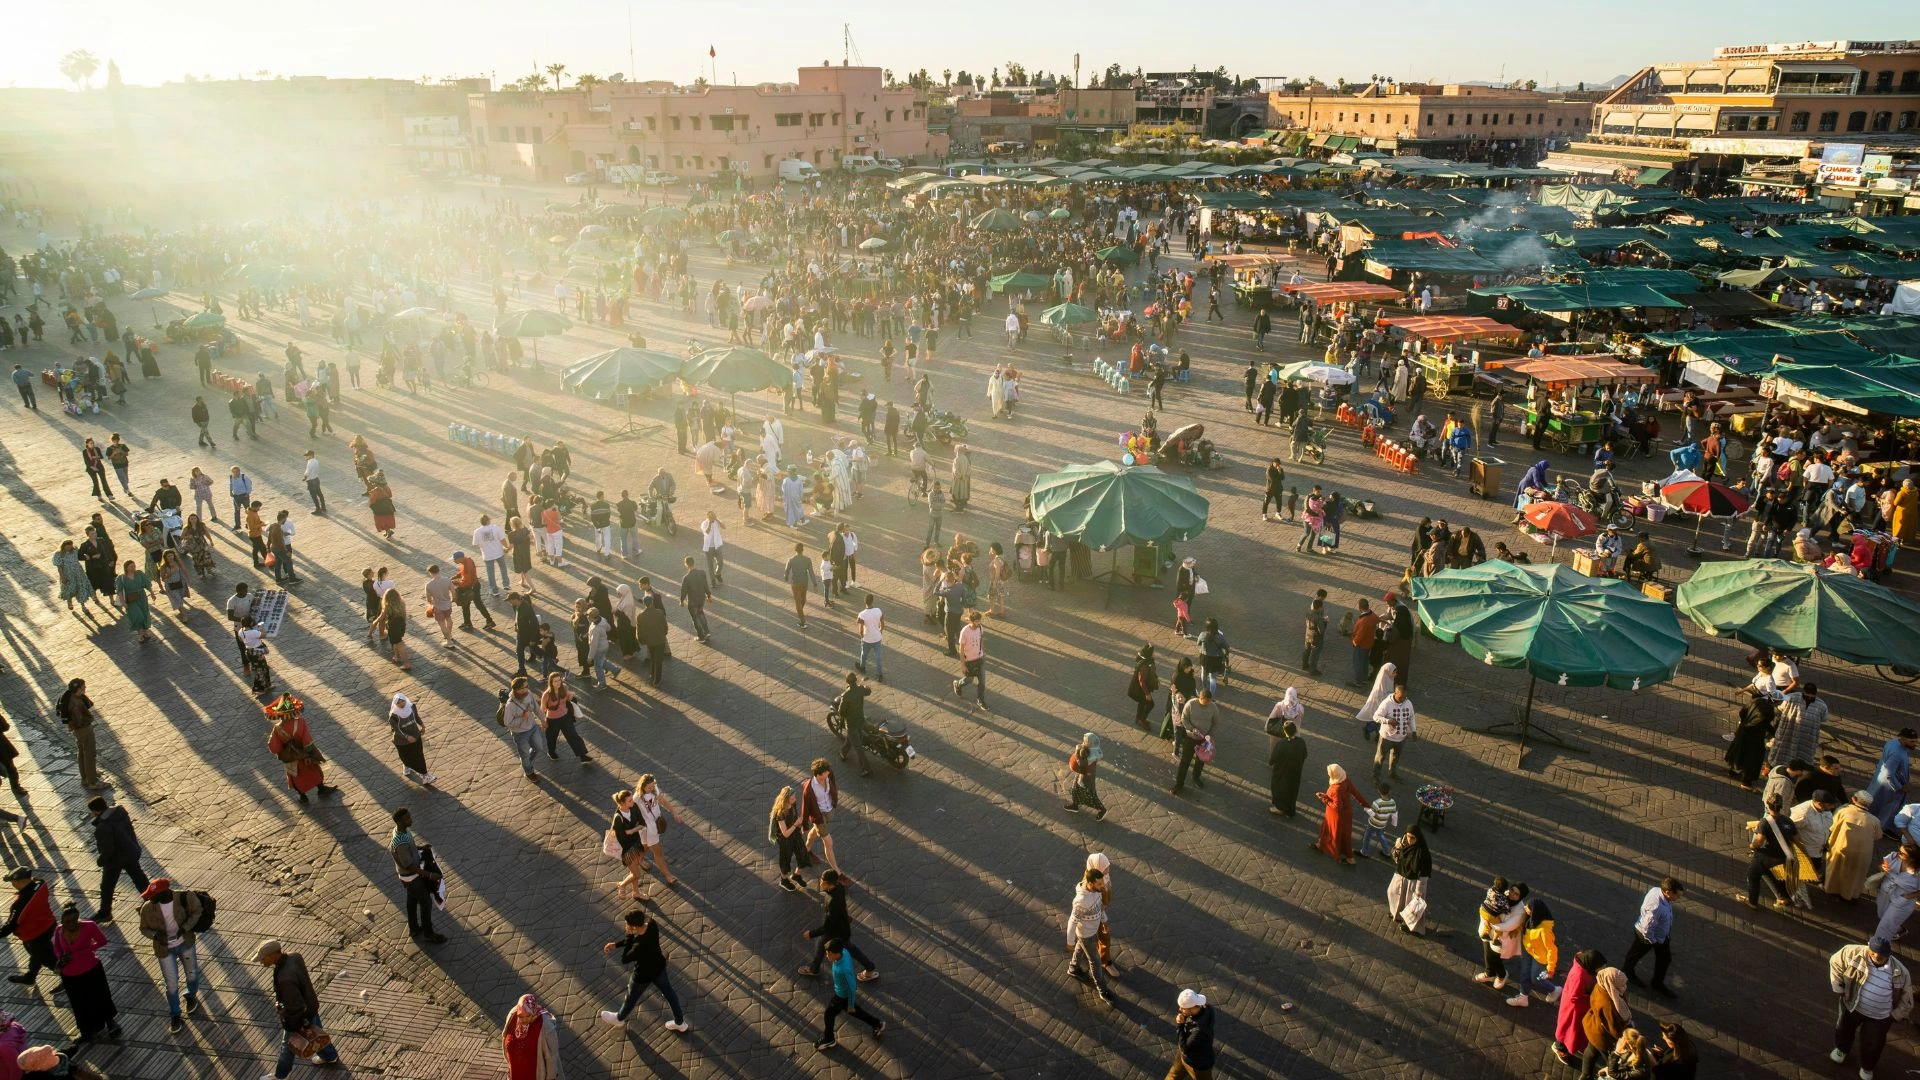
(1794, 48)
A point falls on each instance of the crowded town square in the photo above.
(959, 621)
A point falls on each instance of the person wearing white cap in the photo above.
(1193, 1038)
(1606, 549)
(1104, 939)
(409, 738)
(1084, 919)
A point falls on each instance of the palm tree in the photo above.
(556, 70)
(946, 76)
(79, 66)
(587, 83)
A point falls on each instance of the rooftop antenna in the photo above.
(848, 50)
(630, 64)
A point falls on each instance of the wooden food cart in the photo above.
(1567, 431)
(1445, 375)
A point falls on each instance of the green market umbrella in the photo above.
(204, 320)
(532, 323)
(1106, 505)
(661, 215)
(873, 243)
(1068, 315)
(621, 372)
(592, 230)
(1799, 608)
(1555, 623)
(1018, 280)
(735, 369)
(1118, 255)
(1059, 213)
(617, 210)
(997, 220)
(731, 236)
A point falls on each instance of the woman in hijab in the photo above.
(1412, 867)
(1608, 1018)
(599, 598)
(1382, 689)
(409, 738)
(1569, 1037)
(1289, 707)
(1286, 755)
(1142, 686)
(1533, 486)
(961, 488)
(1903, 513)
(1422, 536)
(1747, 754)
(1186, 683)
(74, 584)
(625, 611)
(1805, 548)
(531, 1040)
(1336, 825)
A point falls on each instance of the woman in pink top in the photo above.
(75, 941)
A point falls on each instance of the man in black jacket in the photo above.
(641, 948)
(1193, 1035)
(526, 629)
(852, 707)
(119, 852)
(694, 595)
(835, 925)
(298, 1005)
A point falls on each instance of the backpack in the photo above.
(207, 906)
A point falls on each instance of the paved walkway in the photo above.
(966, 862)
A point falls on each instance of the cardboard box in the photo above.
(1585, 563)
(1659, 590)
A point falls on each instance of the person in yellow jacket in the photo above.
(1532, 970)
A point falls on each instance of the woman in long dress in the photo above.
(1412, 868)
(530, 1040)
(1747, 754)
(73, 577)
(1569, 1031)
(380, 502)
(996, 392)
(99, 558)
(132, 585)
(1336, 826)
(1382, 688)
(75, 942)
(409, 738)
(961, 489)
(840, 471)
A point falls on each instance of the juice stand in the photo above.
(1564, 377)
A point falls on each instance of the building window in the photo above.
(836, 119)
(816, 119)
(694, 121)
(698, 161)
(1797, 122)
(1529, 119)
(1469, 122)
(503, 133)
(1856, 121)
(536, 133)
(766, 161)
(721, 122)
(1909, 81)
(653, 122)
(1369, 117)
(858, 118)
(675, 121)
(1342, 118)
(1509, 118)
(1883, 82)
(1829, 121)
(816, 153)
(520, 133)
(1883, 121)
(678, 161)
(1906, 120)
(1449, 119)
(1430, 120)
(787, 119)
(889, 116)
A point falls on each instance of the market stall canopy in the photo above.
(1330, 292)
(1596, 239)
(1119, 254)
(1445, 329)
(1571, 297)
(1753, 352)
(1670, 282)
(1108, 505)
(1557, 372)
(1519, 249)
(873, 243)
(1019, 279)
(1250, 262)
(656, 216)
(1386, 257)
(1798, 608)
(735, 369)
(1559, 625)
(204, 320)
(1314, 371)
(621, 370)
(1890, 389)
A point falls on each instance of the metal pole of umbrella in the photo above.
(1698, 521)
(631, 430)
(1525, 727)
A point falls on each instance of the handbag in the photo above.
(1414, 911)
(308, 1041)
(1200, 586)
(610, 844)
(1203, 751)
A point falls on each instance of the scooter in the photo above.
(657, 513)
(890, 744)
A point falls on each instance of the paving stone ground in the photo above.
(966, 862)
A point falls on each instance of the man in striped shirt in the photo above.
(1875, 990)
(1382, 814)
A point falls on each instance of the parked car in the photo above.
(656, 178)
(579, 178)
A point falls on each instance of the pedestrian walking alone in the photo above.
(409, 738)
(845, 995)
(1084, 919)
(1286, 757)
(1143, 685)
(1874, 991)
(75, 710)
(76, 942)
(1341, 800)
(298, 1006)
(1082, 765)
(167, 919)
(1651, 933)
(1193, 1038)
(530, 1039)
(31, 920)
(412, 861)
(118, 850)
(558, 706)
(641, 947)
(1407, 891)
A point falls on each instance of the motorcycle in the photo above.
(657, 513)
(890, 744)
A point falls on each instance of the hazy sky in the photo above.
(1549, 40)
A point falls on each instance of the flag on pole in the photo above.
(711, 53)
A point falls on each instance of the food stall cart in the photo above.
(1565, 376)
(1447, 372)
(1253, 277)
(1342, 296)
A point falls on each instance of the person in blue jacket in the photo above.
(846, 991)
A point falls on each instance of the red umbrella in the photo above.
(1561, 520)
(1703, 499)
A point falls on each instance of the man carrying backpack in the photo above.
(170, 919)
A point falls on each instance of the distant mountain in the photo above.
(1608, 85)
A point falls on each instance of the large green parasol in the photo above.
(1107, 505)
(1068, 315)
(621, 373)
(1799, 608)
(736, 369)
(1557, 624)
(998, 220)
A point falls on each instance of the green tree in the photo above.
(79, 66)
(995, 79)
(963, 78)
(1016, 73)
(557, 71)
(946, 76)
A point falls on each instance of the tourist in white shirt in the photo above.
(1814, 820)
(492, 543)
(1397, 726)
(714, 545)
(869, 624)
